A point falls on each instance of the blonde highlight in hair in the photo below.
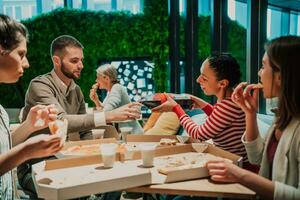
(110, 71)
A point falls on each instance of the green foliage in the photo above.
(109, 35)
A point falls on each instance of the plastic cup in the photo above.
(139, 107)
(108, 152)
(148, 153)
(98, 133)
(124, 132)
(60, 128)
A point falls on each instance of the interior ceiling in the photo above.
(288, 4)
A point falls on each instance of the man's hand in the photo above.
(166, 106)
(129, 111)
(41, 146)
(39, 116)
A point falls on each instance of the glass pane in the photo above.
(133, 6)
(298, 32)
(8, 10)
(104, 5)
(273, 23)
(47, 6)
(21, 10)
(204, 39)
(237, 13)
(204, 7)
(18, 12)
(293, 23)
(77, 4)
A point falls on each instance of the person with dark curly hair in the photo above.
(225, 124)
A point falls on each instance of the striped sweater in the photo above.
(225, 125)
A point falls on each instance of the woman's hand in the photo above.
(39, 116)
(94, 96)
(167, 106)
(41, 146)
(223, 171)
(198, 102)
(243, 97)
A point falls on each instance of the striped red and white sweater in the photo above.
(225, 125)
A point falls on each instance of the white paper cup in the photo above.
(124, 132)
(108, 152)
(140, 109)
(148, 153)
(60, 128)
(98, 133)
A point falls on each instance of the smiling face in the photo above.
(12, 64)
(208, 79)
(269, 79)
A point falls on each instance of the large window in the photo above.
(282, 22)
(24, 9)
(133, 6)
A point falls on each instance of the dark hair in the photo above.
(226, 67)
(283, 53)
(63, 41)
(11, 32)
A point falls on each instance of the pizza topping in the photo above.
(167, 141)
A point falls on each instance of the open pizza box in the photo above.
(191, 159)
(91, 147)
(157, 138)
(82, 176)
(83, 148)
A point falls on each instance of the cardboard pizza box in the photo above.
(82, 176)
(180, 139)
(184, 172)
(149, 138)
(93, 145)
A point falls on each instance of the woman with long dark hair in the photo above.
(279, 153)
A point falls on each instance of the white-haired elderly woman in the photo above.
(107, 79)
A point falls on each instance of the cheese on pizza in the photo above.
(93, 149)
(185, 161)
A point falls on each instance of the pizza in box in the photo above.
(184, 161)
(92, 149)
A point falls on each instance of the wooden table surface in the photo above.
(200, 187)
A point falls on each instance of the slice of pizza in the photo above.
(257, 86)
(167, 142)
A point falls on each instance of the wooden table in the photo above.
(200, 187)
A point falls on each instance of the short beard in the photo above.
(67, 73)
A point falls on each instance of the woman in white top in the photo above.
(13, 149)
(279, 153)
(117, 96)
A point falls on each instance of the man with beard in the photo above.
(58, 87)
